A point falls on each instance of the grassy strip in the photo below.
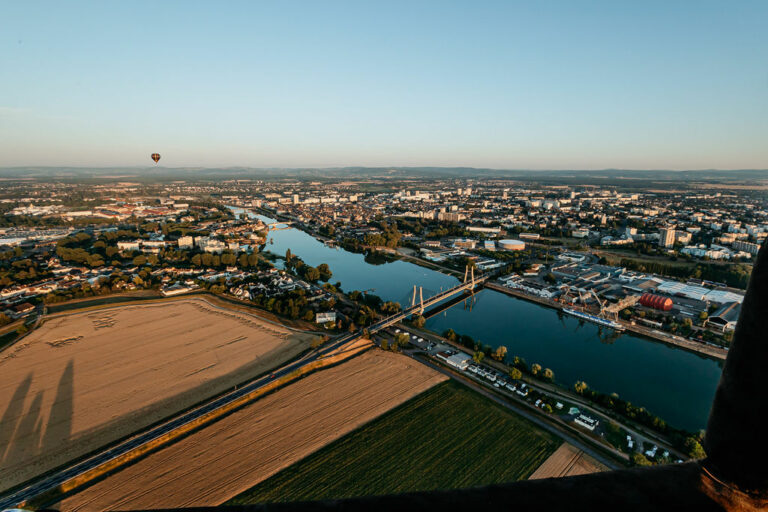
(447, 437)
(73, 484)
(86, 302)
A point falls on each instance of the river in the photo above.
(674, 384)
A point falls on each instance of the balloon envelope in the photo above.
(155, 157)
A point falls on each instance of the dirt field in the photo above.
(237, 452)
(567, 461)
(83, 380)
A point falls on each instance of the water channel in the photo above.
(675, 384)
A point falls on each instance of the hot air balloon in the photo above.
(155, 157)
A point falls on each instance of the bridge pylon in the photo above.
(421, 299)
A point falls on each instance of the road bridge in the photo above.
(277, 226)
(56, 478)
(418, 308)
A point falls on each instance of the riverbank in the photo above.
(676, 384)
(691, 346)
(639, 432)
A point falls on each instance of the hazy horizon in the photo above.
(497, 85)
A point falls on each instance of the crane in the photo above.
(605, 312)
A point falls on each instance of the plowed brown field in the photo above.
(83, 380)
(220, 461)
(567, 461)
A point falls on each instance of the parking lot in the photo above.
(576, 415)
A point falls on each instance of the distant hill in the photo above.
(164, 173)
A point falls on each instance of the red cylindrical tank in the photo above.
(650, 300)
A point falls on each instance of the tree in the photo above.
(550, 278)
(549, 374)
(580, 387)
(390, 307)
(478, 357)
(703, 316)
(419, 321)
(638, 459)
(228, 258)
(535, 368)
(402, 339)
(312, 274)
(500, 353)
(4, 319)
(451, 335)
(384, 345)
(325, 271)
(140, 261)
(515, 374)
(694, 448)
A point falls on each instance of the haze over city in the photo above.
(511, 85)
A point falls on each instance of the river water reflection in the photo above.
(675, 384)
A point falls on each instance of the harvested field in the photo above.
(220, 461)
(448, 437)
(567, 461)
(83, 380)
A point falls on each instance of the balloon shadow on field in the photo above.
(26, 442)
(58, 431)
(12, 416)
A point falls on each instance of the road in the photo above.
(639, 433)
(544, 424)
(57, 477)
(52, 480)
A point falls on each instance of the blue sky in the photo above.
(516, 85)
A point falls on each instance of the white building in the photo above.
(586, 421)
(459, 360)
(322, 318)
(667, 237)
(129, 245)
(748, 247)
(186, 242)
(210, 245)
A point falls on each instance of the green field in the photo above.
(447, 437)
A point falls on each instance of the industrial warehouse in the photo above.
(612, 293)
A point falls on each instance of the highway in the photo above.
(57, 477)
